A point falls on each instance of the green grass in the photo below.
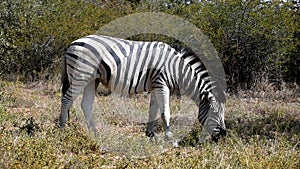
(261, 134)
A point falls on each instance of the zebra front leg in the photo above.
(153, 110)
(88, 99)
(162, 96)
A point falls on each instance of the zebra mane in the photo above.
(200, 70)
(192, 60)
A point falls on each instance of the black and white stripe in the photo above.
(131, 67)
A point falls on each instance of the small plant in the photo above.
(30, 126)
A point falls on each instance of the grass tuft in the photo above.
(261, 134)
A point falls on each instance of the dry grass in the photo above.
(262, 133)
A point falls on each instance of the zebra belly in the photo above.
(130, 84)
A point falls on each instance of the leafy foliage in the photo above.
(252, 38)
(256, 40)
(34, 34)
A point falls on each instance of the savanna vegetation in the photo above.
(262, 133)
(257, 41)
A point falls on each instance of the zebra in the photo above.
(132, 67)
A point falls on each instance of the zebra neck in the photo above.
(189, 83)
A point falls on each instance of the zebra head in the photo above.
(211, 116)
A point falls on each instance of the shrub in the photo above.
(256, 40)
(35, 33)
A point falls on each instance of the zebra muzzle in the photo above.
(218, 133)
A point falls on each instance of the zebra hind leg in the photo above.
(65, 101)
(69, 94)
(153, 110)
(88, 99)
(65, 106)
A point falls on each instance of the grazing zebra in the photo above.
(131, 67)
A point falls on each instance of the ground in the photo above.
(263, 132)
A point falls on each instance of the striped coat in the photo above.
(131, 67)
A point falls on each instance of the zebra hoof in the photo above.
(175, 144)
(150, 134)
(168, 135)
(61, 126)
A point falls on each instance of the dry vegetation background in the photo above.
(257, 41)
(262, 133)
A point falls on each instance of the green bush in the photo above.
(255, 40)
(34, 34)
